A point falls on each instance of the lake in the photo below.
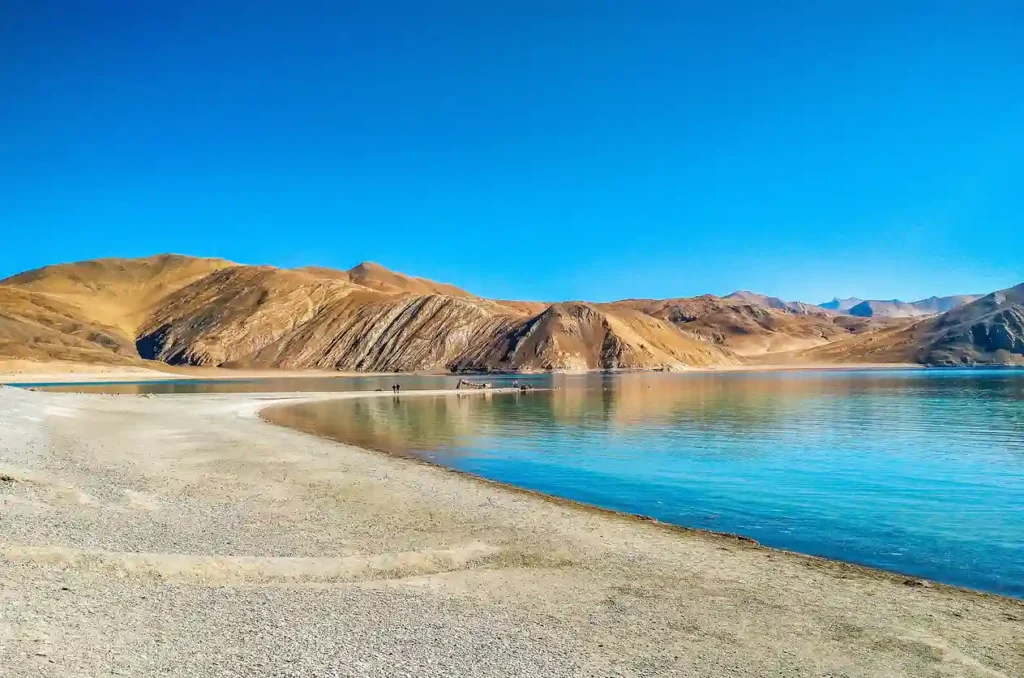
(919, 471)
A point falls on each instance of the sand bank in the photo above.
(182, 535)
(28, 371)
(32, 371)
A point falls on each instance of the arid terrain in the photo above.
(183, 536)
(184, 311)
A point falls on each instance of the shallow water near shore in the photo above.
(919, 472)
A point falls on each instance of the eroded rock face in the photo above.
(249, 316)
(233, 314)
(989, 330)
(388, 334)
(1002, 333)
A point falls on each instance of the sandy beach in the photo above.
(35, 372)
(185, 536)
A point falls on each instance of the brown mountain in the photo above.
(750, 328)
(774, 302)
(249, 316)
(189, 311)
(989, 330)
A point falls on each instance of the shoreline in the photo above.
(99, 374)
(193, 510)
(261, 412)
(259, 409)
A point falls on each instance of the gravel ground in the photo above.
(182, 536)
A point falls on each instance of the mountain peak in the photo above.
(841, 305)
(368, 266)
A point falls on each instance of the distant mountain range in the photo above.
(189, 311)
(840, 305)
(894, 308)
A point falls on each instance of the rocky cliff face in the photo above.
(989, 330)
(412, 333)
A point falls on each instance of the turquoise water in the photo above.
(919, 472)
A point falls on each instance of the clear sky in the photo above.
(543, 150)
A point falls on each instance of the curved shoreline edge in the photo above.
(260, 411)
(187, 536)
(88, 374)
(254, 405)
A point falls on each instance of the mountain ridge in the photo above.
(895, 308)
(374, 276)
(211, 312)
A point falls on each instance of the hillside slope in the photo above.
(90, 311)
(35, 326)
(120, 293)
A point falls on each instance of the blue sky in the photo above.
(542, 150)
